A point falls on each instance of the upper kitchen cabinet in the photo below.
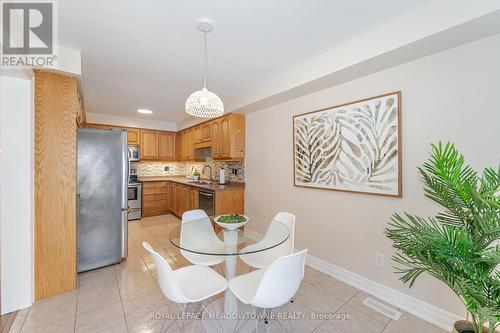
(228, 137)
(202, 135)
(166, 146)
(186, 146)
(224, 135)
(133, 136)
(149, 145)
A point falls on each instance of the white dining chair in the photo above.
(263, 259)
(206, 233)
(186, 285)
(271, 287)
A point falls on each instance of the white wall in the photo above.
(16, 192)
(448, 96)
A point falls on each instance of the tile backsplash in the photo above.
(185, 168)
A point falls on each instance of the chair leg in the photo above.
(213, 320)
(196, 316)
(239, 326)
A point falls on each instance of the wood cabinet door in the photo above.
(183, 199)
(189, 144)
(107, 127)
(206, 131)
(169, 196)
(193, 198)
(177, 199)
(183, 144)
(197, 134)
(216, 152)
(225, 137)
(149, 145)
(166, 146)
(133, 136)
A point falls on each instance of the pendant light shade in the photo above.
(204, 103)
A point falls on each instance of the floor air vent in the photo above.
(383, 309)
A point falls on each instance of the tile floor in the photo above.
(126, 298)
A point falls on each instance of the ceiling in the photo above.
(148, 54)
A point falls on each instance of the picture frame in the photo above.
(352, 147)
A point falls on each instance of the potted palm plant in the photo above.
(459, 246)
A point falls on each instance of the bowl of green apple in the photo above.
(231, 221)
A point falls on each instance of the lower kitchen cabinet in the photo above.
(193, 198)
(167, 196)
(154, 198)
(183, 198)
(230, 201)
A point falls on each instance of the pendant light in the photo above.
(204, 103)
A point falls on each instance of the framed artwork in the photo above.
(354, 147)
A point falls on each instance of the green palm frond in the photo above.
(461, 245)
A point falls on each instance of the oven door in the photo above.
(134, 196)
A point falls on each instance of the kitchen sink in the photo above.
(200, 182)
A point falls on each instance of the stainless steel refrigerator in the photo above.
(103, 174)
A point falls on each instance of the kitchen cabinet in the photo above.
(202, 135)
(184, 198)
(176, 198)
(197, 136)
(133, 136)
(166, 146)
(186, 146)
(149, 145)
(154, 198)
(225, 136)
(216, 136)
(228, 137)
(189, 144)
(193, 198)
(230, 201)
(170, 196)
(206, 131)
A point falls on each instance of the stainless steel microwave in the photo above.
(133, 153)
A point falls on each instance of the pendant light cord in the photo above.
(205, 69)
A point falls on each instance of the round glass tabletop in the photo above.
(199, 236)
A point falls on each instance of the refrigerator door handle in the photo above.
(125, 208)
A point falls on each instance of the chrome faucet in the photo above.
(210, 168)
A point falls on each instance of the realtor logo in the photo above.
(28, 34)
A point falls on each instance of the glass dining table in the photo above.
(199, 237)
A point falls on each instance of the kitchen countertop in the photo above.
(183, 180)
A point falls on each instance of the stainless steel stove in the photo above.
(134, 197)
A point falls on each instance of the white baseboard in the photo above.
(416, 307)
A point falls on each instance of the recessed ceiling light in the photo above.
(145, 111)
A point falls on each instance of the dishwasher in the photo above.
(206, 201)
